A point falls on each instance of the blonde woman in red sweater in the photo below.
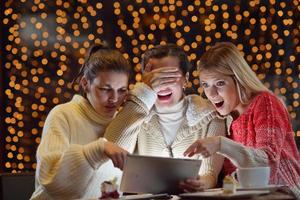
(260, 132)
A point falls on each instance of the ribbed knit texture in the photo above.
(263, 136)
(170, 120)
(70, 159)
(137, 129)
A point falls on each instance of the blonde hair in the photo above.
(225, 58)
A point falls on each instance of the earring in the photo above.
(184, 85)
(184, 88)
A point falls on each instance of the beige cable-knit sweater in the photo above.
(70, 159)
(140, 130)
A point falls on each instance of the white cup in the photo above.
(253, 177)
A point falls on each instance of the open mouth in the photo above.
(166, 95)
(219, 104)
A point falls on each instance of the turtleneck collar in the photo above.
(89, 111)
(171, 113)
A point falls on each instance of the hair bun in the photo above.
(96, 47)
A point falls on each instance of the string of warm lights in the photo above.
(46, 42)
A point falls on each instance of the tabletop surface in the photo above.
(280, 194)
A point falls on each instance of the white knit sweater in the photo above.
(70, 159)
(170, 120)
(141, 131)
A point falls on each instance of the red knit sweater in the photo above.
(265, 125)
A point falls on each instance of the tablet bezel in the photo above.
(150, 174)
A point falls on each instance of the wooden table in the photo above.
(283, 194)
(276, 196)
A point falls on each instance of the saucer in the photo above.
(271, 188)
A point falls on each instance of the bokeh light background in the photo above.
(44, 42)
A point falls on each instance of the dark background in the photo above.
(43, 44)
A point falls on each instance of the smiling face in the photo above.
(107, 91)
(221, 90)
(172, 94)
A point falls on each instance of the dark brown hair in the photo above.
(99, 58)
(161, 51)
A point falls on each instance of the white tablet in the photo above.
(148, 174)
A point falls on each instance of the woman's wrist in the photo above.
(209, 180)
(219, 140)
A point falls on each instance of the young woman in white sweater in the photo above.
(72, 157)
(159, 120)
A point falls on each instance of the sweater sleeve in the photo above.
(214, 163)
(270, 120)
(242, 156)
(65, 169)
(124, 129)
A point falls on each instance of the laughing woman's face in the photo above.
(171, 94)
(221, 91)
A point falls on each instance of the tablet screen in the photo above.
(148, 174)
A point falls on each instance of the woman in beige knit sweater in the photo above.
(71, 159)
(158, 120)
